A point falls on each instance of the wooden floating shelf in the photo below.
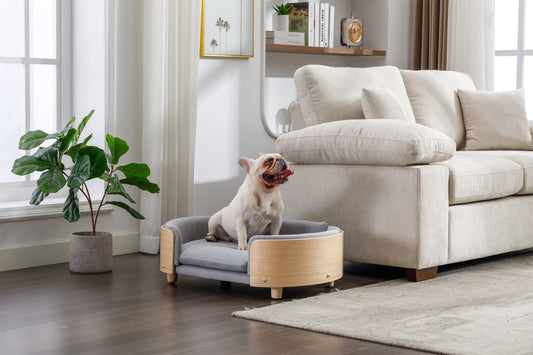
(282, 48)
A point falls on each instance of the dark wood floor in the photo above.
(48, 310)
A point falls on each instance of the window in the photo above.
(54, 57)
(513, 64)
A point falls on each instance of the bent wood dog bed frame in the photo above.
(304, 253)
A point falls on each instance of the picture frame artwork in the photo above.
(227, 28)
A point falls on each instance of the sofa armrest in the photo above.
(384, 142)
(394, 216)
(185, 230)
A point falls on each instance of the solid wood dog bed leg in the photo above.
(276, 292)
(330, 284)
(172, 278)
(421, 275)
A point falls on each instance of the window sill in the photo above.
(22, 210)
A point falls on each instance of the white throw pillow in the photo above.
(495, 120)
(382, 103)
(366, 142)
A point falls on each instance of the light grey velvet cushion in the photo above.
(383, 103)
(186, 229)
(221, 255)
(329, 94)
(366, 142)
(495, 120)
(479, 178)
(433, 98)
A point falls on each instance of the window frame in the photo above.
(520, 52)
(12, 190)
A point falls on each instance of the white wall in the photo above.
(229, 118)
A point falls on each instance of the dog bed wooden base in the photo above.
(303, 254)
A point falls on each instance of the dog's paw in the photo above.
(242, 247)
(210, 238)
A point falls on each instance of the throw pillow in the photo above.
(495, 120)
(382, 103)
(366, 142)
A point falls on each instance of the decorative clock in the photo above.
(352, 32)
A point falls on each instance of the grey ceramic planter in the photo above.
(91, 253)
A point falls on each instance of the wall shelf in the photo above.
(281, 48)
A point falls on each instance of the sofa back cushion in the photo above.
(434, 100)
(328, 94)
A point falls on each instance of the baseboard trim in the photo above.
(56, 253)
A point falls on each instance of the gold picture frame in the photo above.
(227, 29)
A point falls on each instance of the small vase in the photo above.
(90, 254)
(282, 23)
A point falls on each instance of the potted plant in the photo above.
(282, 18)
(90, 251)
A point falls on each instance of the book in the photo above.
(324, 25)
(316, 25)
(331, 37)
(288, 38)
(299, 19)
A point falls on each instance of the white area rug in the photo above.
(486, 308)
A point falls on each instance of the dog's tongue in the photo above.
(286, 173)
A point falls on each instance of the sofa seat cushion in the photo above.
(476, 177)
(524, 158)
(220, 255)
(386, 142)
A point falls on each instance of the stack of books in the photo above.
(315, 20)
(283, 37)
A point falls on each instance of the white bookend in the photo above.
(331, 25)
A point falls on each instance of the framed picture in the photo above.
(227, 28)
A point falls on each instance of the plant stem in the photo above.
(105, 193)
(89, 200)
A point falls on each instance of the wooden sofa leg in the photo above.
(276, 292)
(330, 284)
(421, 275)
(172, 278)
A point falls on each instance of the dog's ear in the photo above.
(260, 154)
(246, 163)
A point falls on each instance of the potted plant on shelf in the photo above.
(282, 18)
(91, 251)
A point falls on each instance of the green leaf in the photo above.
(98, 160)
(27, 164)
(135, 169)
(82, 126)
(51, 181)
(142, 183)
(116, 188)
(131, 211)
(80, 172)
(49, 154)
(37, 196)
(117, 147)
(71, 208)
(87, 139)
(33, 139)
(66, 140)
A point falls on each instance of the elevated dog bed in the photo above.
(304, 253)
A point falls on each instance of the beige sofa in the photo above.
(406, 194)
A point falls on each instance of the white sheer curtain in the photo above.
(471, 40)
(171, 46)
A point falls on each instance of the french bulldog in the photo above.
(257, 208)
